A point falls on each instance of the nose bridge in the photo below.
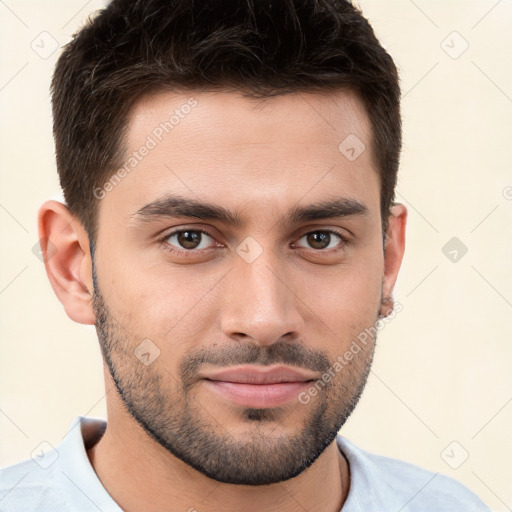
(260, 303)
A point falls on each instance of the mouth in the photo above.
(259, 386)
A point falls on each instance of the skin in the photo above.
(296, 302)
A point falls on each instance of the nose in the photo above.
(259, 303)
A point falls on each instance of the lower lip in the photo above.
(257, 395)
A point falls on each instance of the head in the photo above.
(229, 176)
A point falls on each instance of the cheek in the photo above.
(347, 296)
(166, 302)
(170, 305)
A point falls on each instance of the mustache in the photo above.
(281, 352)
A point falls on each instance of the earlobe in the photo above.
(393, 254)
(65, 247)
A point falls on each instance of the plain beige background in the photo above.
(441, 387)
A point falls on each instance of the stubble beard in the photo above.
(176, 420)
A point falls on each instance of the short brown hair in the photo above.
(261, 48)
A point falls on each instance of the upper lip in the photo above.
(261, 374)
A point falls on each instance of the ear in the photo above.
(65, 248)
(394, 248)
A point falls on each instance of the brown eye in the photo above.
(189, 239)
(318, 240)
(324, 239)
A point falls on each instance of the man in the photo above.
(230, 230)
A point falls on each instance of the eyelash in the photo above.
(193, 252)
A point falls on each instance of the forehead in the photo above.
(226, 148)
(301, 118)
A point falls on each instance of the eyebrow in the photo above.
(172, 206)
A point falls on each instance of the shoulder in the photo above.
(30, 485)
(384, 481)
(58, 479)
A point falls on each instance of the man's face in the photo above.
(272, 291)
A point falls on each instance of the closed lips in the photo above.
(253, 375)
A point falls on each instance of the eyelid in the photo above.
(341, 232)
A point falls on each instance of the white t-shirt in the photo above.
(63, 480)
